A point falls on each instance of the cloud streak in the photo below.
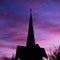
(14, 18)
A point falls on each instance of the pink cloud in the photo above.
(52, 28)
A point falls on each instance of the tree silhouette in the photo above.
(55, 55)
(6, 58)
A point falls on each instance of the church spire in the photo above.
(30, 38)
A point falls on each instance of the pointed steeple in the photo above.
(30, 38)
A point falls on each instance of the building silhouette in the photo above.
(31, 51)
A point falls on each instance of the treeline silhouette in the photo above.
(7, 58)
(55, 55)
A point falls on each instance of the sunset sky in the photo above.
(14, 20)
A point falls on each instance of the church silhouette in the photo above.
(31, 51)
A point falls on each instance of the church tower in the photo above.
(30, 38)
(31, 51)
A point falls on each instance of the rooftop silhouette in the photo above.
(31, 51)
